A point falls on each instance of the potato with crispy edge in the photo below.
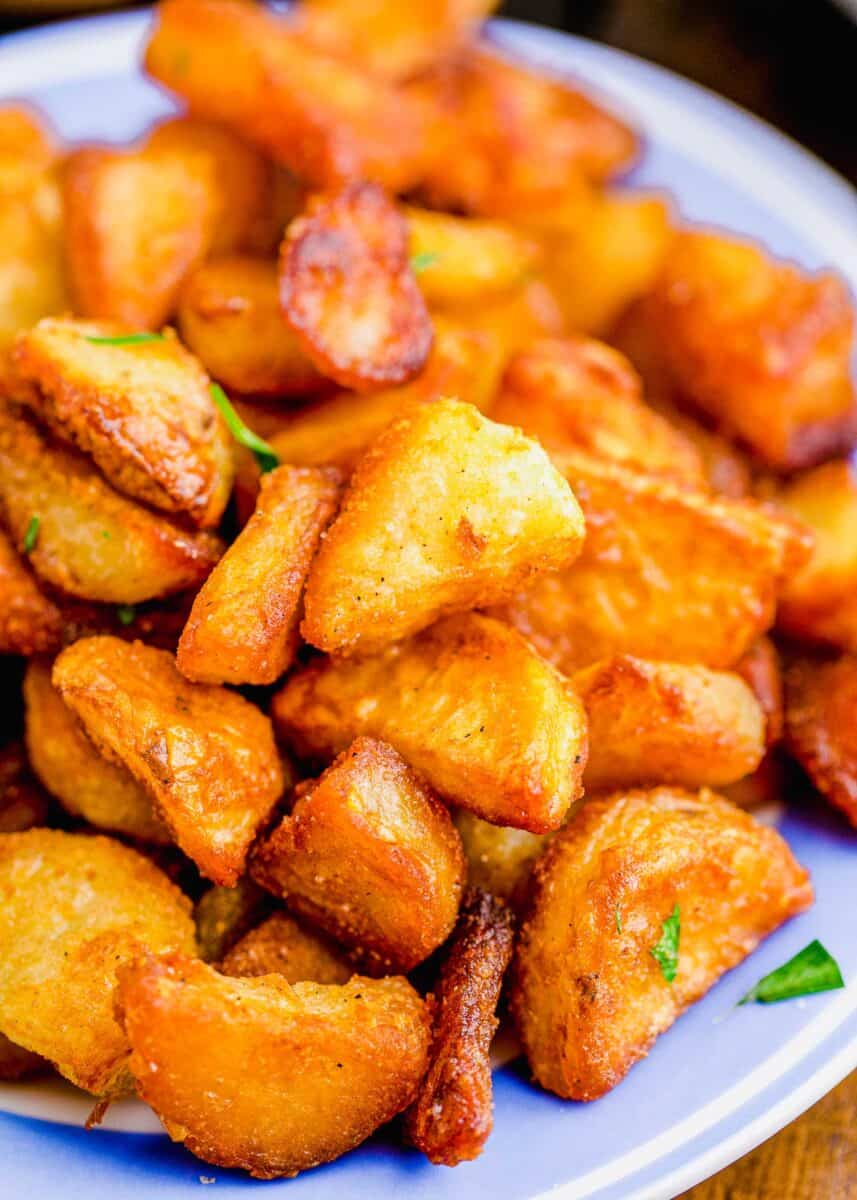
(144, 412)
(446, 511)
(760, 670)
(30, 623)
(74, 909)
(468, 703)
(452, 1116)
(370, 855)
(588, 995)
(347, 291)
(224, 914)
(71, 769)
(243, 627)
(499, 859)
(91, 541)
(821, 726)
(32, 272)
(581, 394)
(258, 1074)
(205, 754)
(664, 722)
(282, 946)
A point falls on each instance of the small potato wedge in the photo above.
(224, 914)
(255, 1073)
(369, 854)
(88, 540)
(452, 1116)
(243, 627)
(347, 290)
(205, 754)
(664, 722)
(499, 859)
(59, 959)
(490, 725)
(821, 726)
(282, 946)
(589, 996)
(71, 769)
(29, 622)
(760, 669)
(144, 412)
(446, 511)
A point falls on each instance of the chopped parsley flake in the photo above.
(32, 534)
(812, 970)
(665, 950)
(126, 339)
(422, 262)
(265, 456)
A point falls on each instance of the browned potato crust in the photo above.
(665, 722)
(74, 909)
(369, 854)
(446, 511)
(71, 769)
(144, 412)
(91, 541)
(589, 997)
(452, 1117)
(205, 754)
(224, 914)
(23, 804)
(499, 858)
(821, 726)
(29, 622)
(760, 668)
(243, 627)
(282, 946)
(467, 703)
(258, 1074)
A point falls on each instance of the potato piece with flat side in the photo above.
(446, 511)
(282, 946)
(75, 908)
(760, 669)
(589, 996)
(255, 1073)
(499, 859)
(243, 627)
(369, 854)
(664, 722)
(30, 623)
(224, 914)
(205, 754)
(468, 704)
(821, 726)
(143, 411)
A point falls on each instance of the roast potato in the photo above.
(30, 623)
(27, 148)
(514, 320)
(224, 914)
(32, 272)
(280, 945)
(821, 726)
(499, 858)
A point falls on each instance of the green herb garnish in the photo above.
(126, 339)
(665, 950)
(126, 614)
(812, 970)
(422, 262)
(618, 920)
(105, 533)
(32, 534)
(265, 456)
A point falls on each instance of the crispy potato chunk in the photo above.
(282, 946)
(467, 703)
(23, 804)
(452, 1117)
(347, 290)
(369, 854)
(75, 908)
(662, 568)
(499, 859)
(144, 412)
(322, 118)
(589, 997)
(515, 320)
(821, 726)
(581, 394)
(29, 622)
(71, 769)
(666, 722)
(205, 754)
(760, 669)
(446, 511)
(759, 346)
(243, 627)
(32, 273)
(90, 541)
(229, 315)
(224, 914)
(258, 1074)
(27, 148)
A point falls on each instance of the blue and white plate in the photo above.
(723, 1079)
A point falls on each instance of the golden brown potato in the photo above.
(821, 726)
(243, 627)
(229, 315)
(144, 412)
(27, 148)
(515, 320)
(315, 114)
(760, 669)
(90, 541)
(74, 909)
(581, 394)
(23, 804)
(452, 1116)
(499, 858)
(662, 568)
(29, 622)
(663, 722)
(282, 946)
(224, 914)
(32, 273)
(759, 346)
(71, 769)
(467, 703)
(205, 754)
(370, 855)
(446, 511)
(258, 1074)
(589, 995)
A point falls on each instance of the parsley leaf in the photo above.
(32, 534)
(812, 970)
(618, 920)
(422, 262)
(265, 456)
(126, 614)
(665, 950)
(126, 339)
